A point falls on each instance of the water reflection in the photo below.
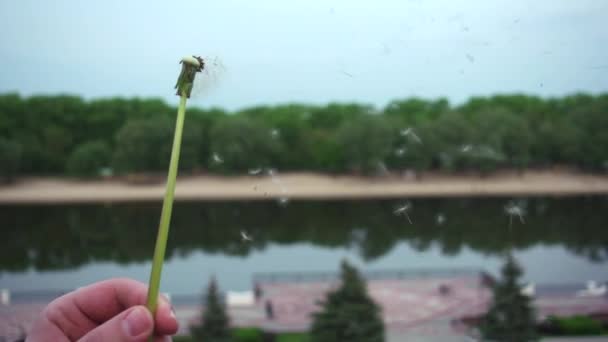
(65, 237)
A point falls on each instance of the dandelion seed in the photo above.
(255, 171)
(382, 169)
(213, 73)
(386, 50)
(274, 133)
(440, 219)
(470, 58)
(409, 132)
(346, 73)
(403, 210)
(245, 236)
(466, 148)
(513, 209)
(400, 151)
(283, 201)
(217, 159)
(274, 176)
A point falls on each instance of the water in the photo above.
(563, 241)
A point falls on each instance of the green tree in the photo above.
(349, 313)
(215, 325)
(365, 142)
(10, 159)
(511, 317)
(145, 145)
(89, 158)
(240, 143)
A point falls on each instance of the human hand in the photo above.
(110, 310)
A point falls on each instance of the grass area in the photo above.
(573, 326)
(254, 335)
(293, 337)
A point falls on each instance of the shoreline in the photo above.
(305, 186)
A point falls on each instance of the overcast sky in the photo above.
(313, 51)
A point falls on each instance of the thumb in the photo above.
(135, 324)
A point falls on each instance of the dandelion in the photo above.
(275, 133)
(191, 65)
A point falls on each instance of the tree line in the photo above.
(66, 135)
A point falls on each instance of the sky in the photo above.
(315, 51)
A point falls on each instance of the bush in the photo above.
(293, 337)
(572, 326)
(10, 159)
(88, 159)
(248, 335)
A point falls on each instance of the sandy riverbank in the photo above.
(305, 186)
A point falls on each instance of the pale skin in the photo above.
(111, 310)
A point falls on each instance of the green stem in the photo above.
(165, 217)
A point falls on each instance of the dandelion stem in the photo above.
(190, 66)
(165, 217)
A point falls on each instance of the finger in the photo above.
(102, 301)
(166, 322)
(134, 325)
(81, 311)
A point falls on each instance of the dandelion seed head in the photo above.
(210, 77)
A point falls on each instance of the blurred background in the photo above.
(308, 139)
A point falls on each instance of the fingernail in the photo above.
(172, 311)
(136, 322)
